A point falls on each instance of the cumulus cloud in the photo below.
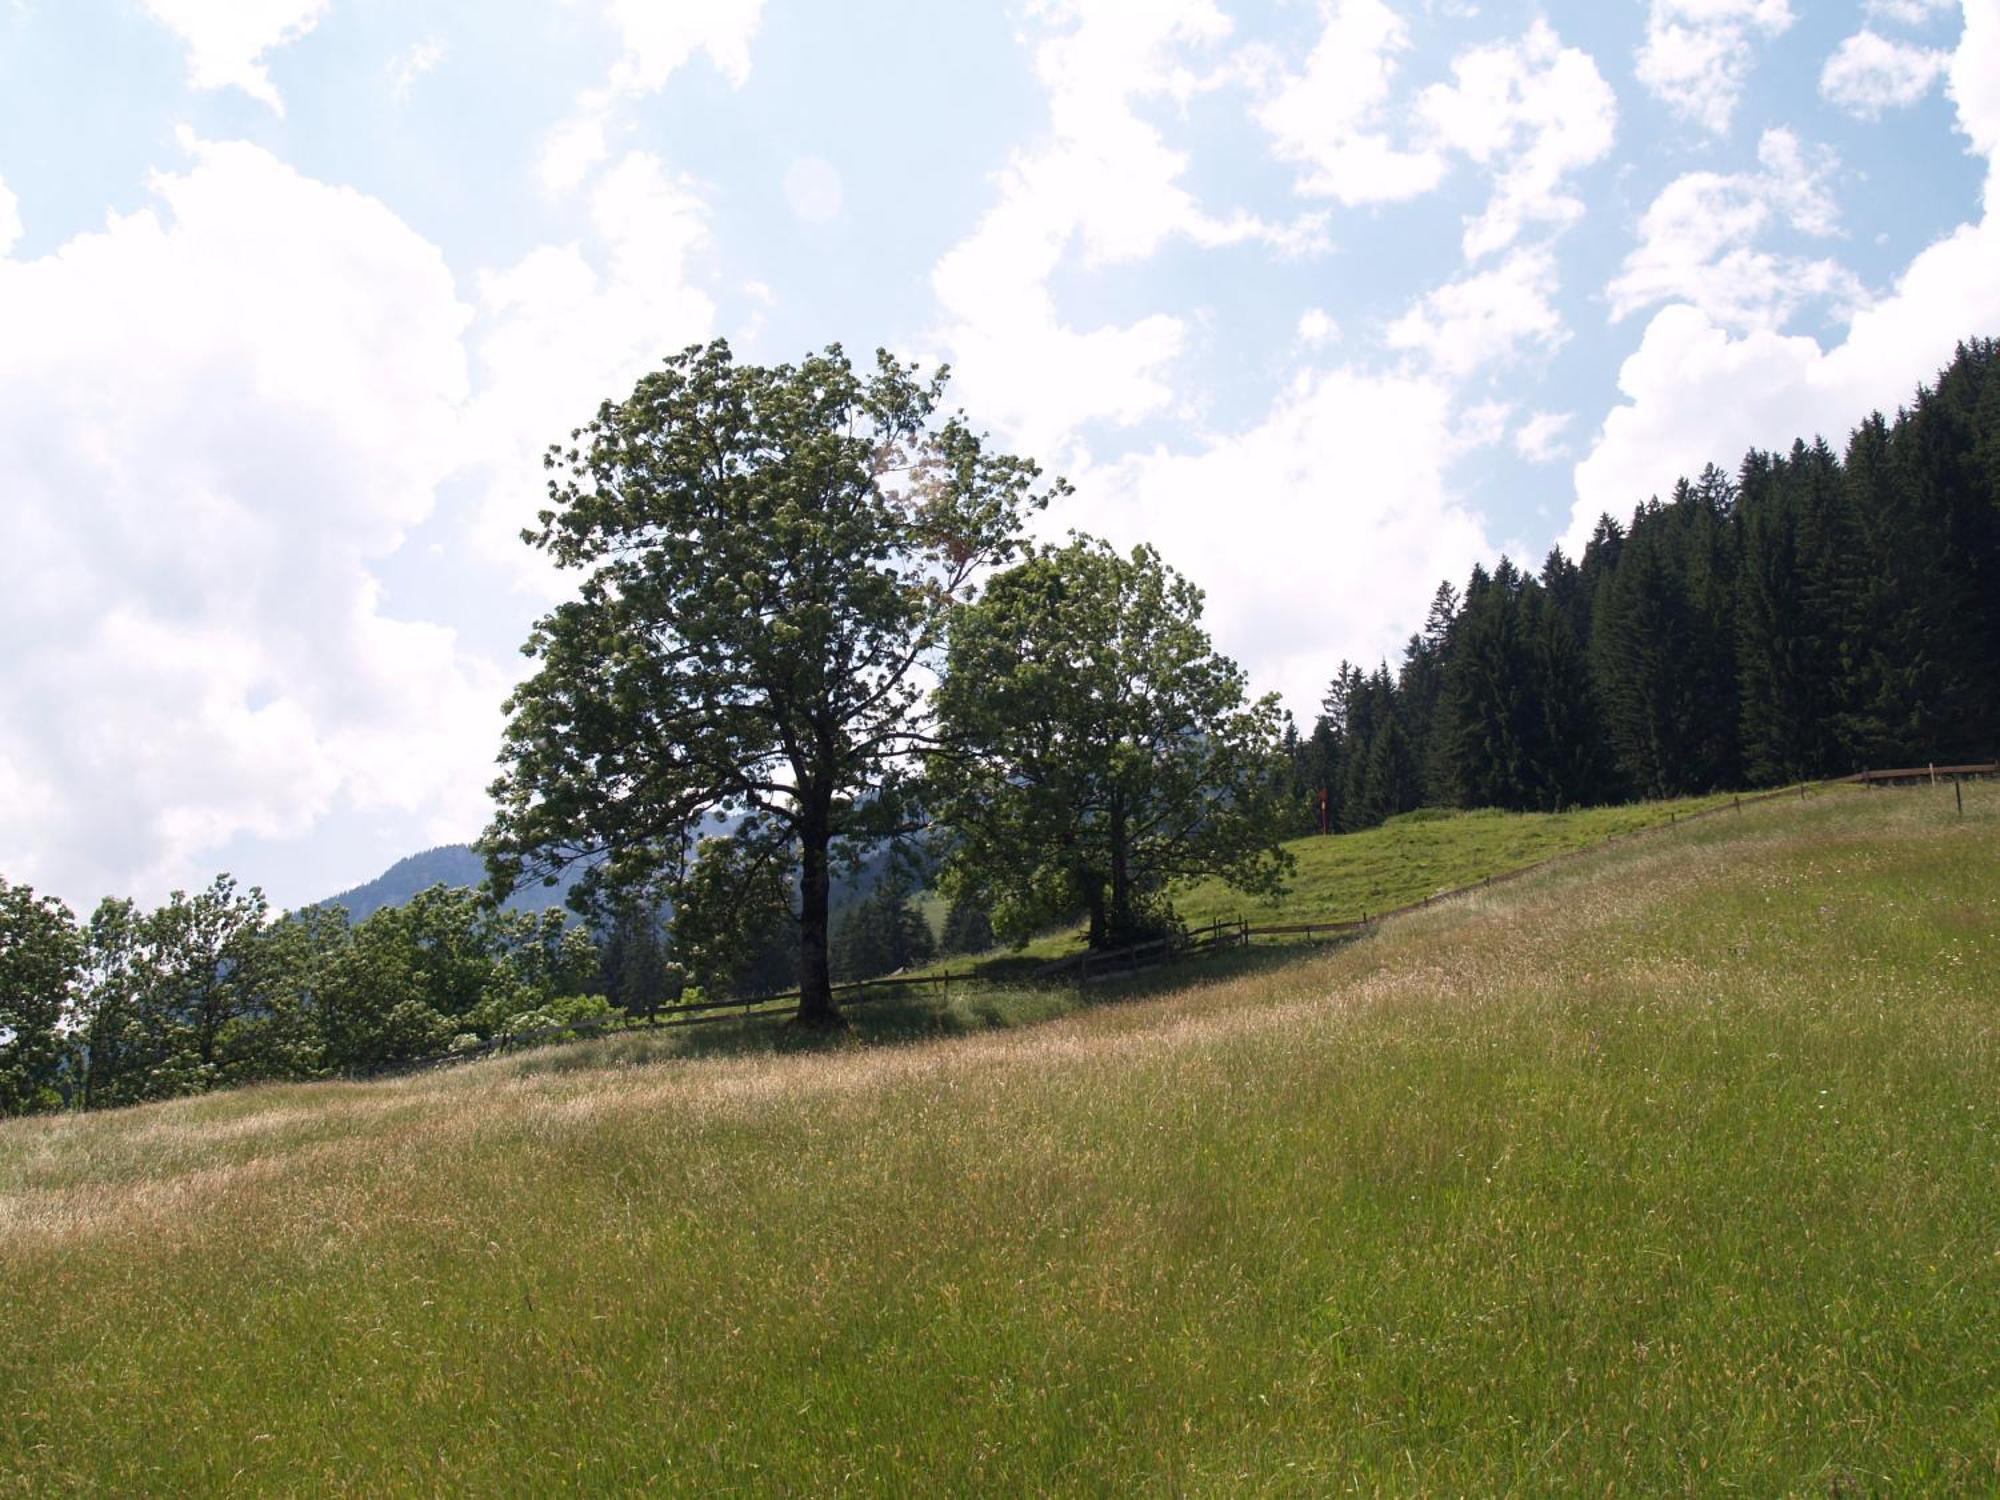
(1539, 439)
(227, 40)
(1974, 86)
(413, 63)
(10, 219)
(1317, 327)
(1697, 54)
(1696, 241)
(655, 41)
(1490, 316)
(1105, 187)
(571, 325)
(1696, 393)
(1909, 12)
(1313, 530)
(1329, 117)
(1868, 73)
(215, 414)
(1534, 112)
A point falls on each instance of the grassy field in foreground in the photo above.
(1675, 1168)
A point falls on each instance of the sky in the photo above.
(1328, 299)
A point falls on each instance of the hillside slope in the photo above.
(456, 865)
(1673, 1167)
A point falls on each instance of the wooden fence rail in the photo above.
(1095, 967)
(1932, 774)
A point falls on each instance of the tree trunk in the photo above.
(816, 1007)
(1093, 895)
(1121, 877)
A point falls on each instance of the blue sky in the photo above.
(1328, 298)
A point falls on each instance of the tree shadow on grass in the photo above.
(902, 1018)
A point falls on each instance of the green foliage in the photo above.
(200, 977)
(968, 928)
(1812, 618)
(203, 991)
(1095, 748)
(39, 953)
(563, 1011)
(882, 933)
(768, 554)
(634, 969)
(1516, 722)
(733, 917)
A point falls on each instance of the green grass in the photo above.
(1418, 855)
(1344, 877)
(1674, 1168)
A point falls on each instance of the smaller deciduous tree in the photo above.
(1094, 748)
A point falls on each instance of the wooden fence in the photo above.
(1092, 968)
(1096, 967)
(1931, 774)
(778, 1006)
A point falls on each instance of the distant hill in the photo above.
(448, 864)
(460, 865)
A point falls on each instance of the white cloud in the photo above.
(1329, 117)
(1315, 532)
(577, 146)
(1105, 185)
(10, 219)
(1317, 327)
(1909, 12)
(228, 39)
(656, 38)
(1697, 54)
(1486, 317)
(1696, 394)
(571, 325)
(1696, 241)
(1868, 73)
(1535, 112)
(1480, 425)
(1539, 439)
(419, 59)
(1974, 86)
(215, 415)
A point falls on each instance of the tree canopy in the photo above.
(768, 554)
(1095, 748)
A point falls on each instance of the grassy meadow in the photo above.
(1674, 1168)
(1379, 869)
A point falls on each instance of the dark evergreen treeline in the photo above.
(1818, 614)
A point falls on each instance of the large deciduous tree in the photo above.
(1094, 748)
(768, 556)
